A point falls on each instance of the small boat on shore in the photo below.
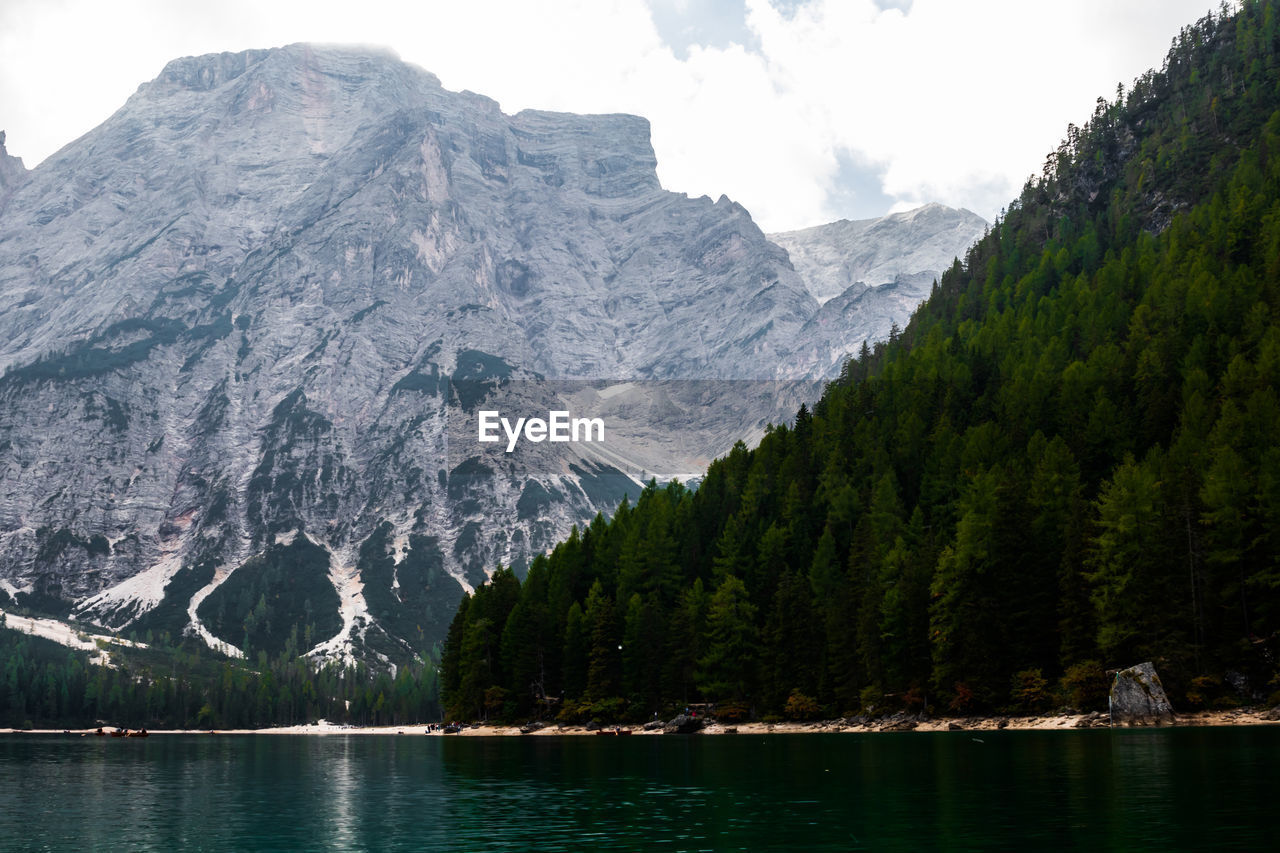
(138, 733)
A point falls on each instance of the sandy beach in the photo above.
(1237, 717)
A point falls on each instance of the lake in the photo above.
(1165, 789)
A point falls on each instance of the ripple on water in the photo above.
(1168, 790)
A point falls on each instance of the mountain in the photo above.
(1066, 463)
(870, 275)
(868, 253)
(247, 325)
(12, 171)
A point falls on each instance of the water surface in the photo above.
(1166, 790)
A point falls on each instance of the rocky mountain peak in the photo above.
(245, 321)
(871, 274)
(12, 170)
(833, 257)
(202, 73)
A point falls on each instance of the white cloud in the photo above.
(949, 100)
(962, 99)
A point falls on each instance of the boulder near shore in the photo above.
(1138, 698)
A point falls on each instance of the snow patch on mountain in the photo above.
(68, 635)
(134, 595)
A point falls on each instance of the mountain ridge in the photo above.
(869, 275)
(838, 255)
(255, 308)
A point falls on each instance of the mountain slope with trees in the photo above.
(163, 685)
(1066, 463)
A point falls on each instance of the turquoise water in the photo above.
(1167, 790)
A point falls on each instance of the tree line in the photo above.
(46, 685)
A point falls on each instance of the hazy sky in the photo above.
(802, 110)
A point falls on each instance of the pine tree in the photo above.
(728, 668)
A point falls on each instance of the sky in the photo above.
(804, 111)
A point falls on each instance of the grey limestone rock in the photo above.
(834, 257)
(12, 172)
(870, 275)
(267, 297)
(1138, 697)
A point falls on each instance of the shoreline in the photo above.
(1050, 722)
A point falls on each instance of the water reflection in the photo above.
(338, 794)
(1123, 790)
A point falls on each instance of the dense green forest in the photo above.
(43, 684)
(1067, 463)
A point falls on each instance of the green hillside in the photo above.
(1067, 463)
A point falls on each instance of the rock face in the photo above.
(247, 325)
(834, 257)
(871, 274)
(1138, 698)
(12, 172)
